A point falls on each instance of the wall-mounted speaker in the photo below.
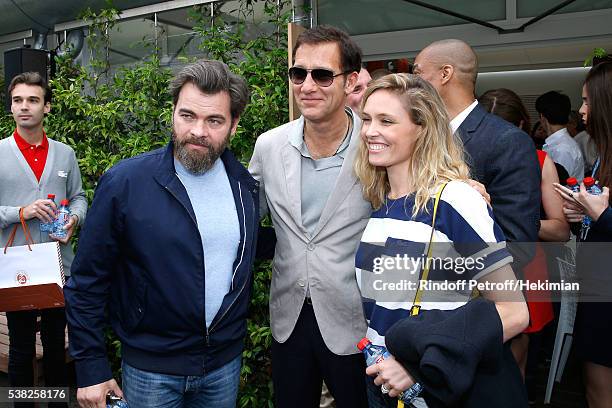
(19, 60)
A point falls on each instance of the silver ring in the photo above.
(384, 389)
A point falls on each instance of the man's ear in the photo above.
(234, 125)
(351, 81)
(447, 73)
(47, 108)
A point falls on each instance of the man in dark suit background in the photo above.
(500, 155)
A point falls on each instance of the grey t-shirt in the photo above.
(215, 210)
(318, 178)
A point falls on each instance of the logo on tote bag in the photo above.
(21, 277)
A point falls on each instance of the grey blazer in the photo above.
(325, 260)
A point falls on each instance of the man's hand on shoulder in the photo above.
(44, 210)
(482, 190)
(94, 396)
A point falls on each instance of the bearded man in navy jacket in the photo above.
(166, 256)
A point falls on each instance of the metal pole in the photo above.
(545, 14)
(455, 14)
(107, 39)
(500, 30)
(314, 16)
(156, 34)
(278, 13)
(298, 12)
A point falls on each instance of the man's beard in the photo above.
(195, 161)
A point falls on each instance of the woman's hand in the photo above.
(575, 205)
(392, 375)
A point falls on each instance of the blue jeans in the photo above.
(218, 388)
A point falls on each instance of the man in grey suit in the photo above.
(305, 170)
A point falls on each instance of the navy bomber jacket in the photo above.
(140, 265)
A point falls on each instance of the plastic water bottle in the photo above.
(592, 188)
(375, 354)
(573, 185)
(113, 401)
(63, 216)
(48, 226)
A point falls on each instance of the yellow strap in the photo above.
(416, 305)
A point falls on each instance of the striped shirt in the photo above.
(467, 245)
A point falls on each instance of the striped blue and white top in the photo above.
(467, 245)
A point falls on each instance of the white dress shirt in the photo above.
(564, 150)
(588, 149)
(458, 120)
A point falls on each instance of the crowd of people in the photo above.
(377, 168)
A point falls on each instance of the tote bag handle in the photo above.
(26, 233)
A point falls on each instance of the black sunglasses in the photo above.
(322, 77)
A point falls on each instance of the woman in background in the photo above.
(507, 105)
(553, 227)
(593, 326)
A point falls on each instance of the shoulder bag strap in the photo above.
(416, 304)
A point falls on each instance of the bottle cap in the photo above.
(571, 181)
(588, 181)
(51, 196)
(363, 343)
(65, 202)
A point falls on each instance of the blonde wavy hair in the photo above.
(437, 156)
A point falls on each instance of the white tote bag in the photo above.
(31, 275)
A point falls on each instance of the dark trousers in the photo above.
(300, 364)
(22, 350)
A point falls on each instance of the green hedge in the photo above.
(108, 117)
